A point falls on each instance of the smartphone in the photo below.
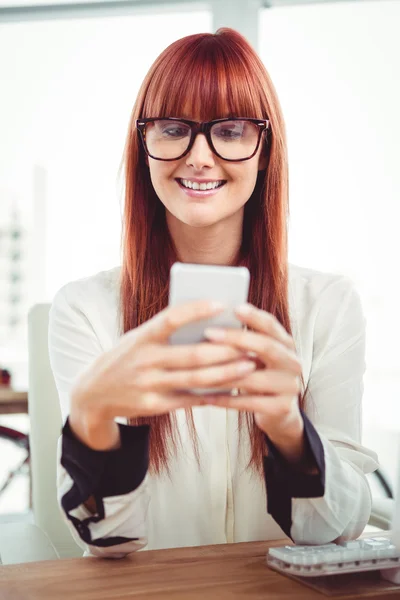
(229, 285)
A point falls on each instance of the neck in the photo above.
(217, 244)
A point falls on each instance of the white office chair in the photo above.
(382, 512)
(45, 429)
(50, 537)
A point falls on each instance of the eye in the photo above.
(232, 130)
(174, 130)
(227, 132)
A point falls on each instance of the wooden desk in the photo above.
(12, 402)
(206, 572)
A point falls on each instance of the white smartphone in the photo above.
(229, 285)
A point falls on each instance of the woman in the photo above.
(187, 470)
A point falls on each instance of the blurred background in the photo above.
(69, 75)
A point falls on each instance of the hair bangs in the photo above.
(206, 79)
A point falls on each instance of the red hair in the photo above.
(204, 76)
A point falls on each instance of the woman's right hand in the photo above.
(142, 375)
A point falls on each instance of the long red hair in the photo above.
(210, 76)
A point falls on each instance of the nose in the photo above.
(200, 155)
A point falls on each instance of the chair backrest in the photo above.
(45, 429)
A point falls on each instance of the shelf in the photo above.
(13, 402)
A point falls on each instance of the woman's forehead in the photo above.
(199, 117)
(198, 111)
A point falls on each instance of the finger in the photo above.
(158, 403)
(264, 322)
(268, 349)
(167, 381)
(270, 382)
(253, 404)
(188, 401)
(154, 403)
(184, 357)
(166, 322)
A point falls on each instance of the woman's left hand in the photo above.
(271, 392)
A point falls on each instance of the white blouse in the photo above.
(222, 501)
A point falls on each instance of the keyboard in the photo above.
(367, 554)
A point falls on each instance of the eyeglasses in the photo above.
(171, 138)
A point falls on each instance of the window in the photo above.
(68, 88)
(335, 67)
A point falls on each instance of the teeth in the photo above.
(194, 185)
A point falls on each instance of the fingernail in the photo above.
(217, 306)
(244, 309)
(246, 367)
(214, 334)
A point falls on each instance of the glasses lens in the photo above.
(167, 139)
(235, 140)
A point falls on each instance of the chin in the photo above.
(198, 222)
(202, 218)
(199, 216)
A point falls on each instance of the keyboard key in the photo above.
(382, 540)
(377, 544)
(350, 545)
(388, 552)
(332, 556)
(350, 555)
(367, 553)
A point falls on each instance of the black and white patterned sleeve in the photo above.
(115, 479)
(334, 503)
(284, 482)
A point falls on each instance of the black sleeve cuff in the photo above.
(105, 473)
(102, 474)
(284, 481)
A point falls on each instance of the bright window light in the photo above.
(335, 67)
(68, 88)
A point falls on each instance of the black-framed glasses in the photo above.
(170, 138)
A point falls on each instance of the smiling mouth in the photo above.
(201, 187)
